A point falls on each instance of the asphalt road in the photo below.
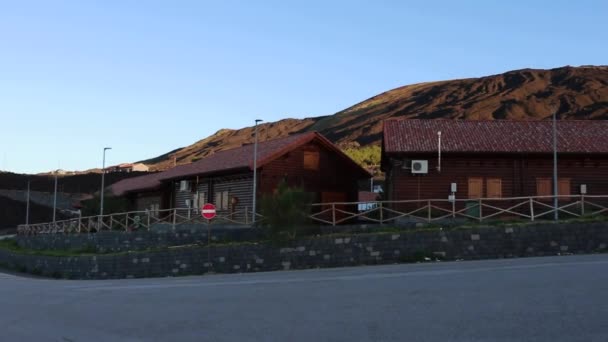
(532, 299)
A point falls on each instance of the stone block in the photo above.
(475, 237)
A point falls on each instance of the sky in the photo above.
(146, 77)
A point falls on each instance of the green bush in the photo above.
(286, 212)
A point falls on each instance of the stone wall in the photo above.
(119, 241)
(326, 251)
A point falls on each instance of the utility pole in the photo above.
(27, 205)
(555, 190)
(103, 173)
(255, 170)
(55, 199)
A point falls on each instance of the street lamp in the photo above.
(103, 173)
(55, 199)
(555, 191)
(255, 168)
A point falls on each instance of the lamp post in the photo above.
(555, 191)
(255, 169)
(103, 173)
(27, 206)
(55, 199)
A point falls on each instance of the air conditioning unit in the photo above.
(184, 185)
(420, 166)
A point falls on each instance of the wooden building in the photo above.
(225, 178)
(492, 159)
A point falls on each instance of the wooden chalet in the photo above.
(225, 178)
(493, 159)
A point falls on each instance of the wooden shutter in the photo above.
(494, 187)
(543, 187)
(311, 160)
(563, 187)
(475, 187)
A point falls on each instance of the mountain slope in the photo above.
(575, 92)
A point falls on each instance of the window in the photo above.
(198, 199)
(221, 200)
(311, 160)
(494, 187)
(185, 185)
(543, 187)
(154, 208)
(475, 187)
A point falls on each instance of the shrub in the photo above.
(286, 211)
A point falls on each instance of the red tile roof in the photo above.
(497, 136)
(237, 158)
(147, 182)
(234, 159)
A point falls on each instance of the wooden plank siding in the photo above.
(517, 174)
(239, 186)
(331, 176)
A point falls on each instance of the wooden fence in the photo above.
(429, 210)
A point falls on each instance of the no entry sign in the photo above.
(208, 211)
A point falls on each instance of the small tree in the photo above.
(286, 211)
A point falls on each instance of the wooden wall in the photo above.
(333, 179)
(517, 173)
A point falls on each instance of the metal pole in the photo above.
(555, 191)
(55, 200)
(255, 170)
(103, 173)
(27, 206)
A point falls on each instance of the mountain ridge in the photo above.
(523, 94)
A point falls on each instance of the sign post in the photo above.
(208, 211)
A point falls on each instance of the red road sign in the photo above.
(208, 211)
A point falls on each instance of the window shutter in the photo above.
(475, 187)
(311, 160)
(494, 187)
(543, 187)
(563, 187)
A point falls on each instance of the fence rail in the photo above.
(428, 210)
(480, 210)
(136, 220)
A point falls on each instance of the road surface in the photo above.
(532, 299)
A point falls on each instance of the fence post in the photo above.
(333, 214)
(149, 213)
(582, 205)
(79, 221)
(174, 218)
(246, 216)
(381, 214)
(428, 206)
(454, 208)
(480, 211)
(531, 209)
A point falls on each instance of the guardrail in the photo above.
(480, 210)
(429, 210)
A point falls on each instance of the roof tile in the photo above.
(495, 136)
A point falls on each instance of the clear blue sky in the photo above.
(146, 77)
